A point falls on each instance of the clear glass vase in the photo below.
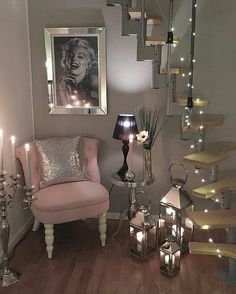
(147, 166)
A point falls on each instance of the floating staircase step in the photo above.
(176, 70)
(179, 70)
(207, 120)
(182, 101)
(227, 250)
(209, 158)
(212, 189)
(135, 13)
(213, 219)
(114, 2)
(154, 40)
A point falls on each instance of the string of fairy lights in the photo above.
(186, 117)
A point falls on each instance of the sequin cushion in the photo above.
(61, 160)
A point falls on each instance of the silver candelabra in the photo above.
(7, 194)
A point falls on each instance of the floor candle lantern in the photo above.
(172, 216)
(143, 231)
(170, 253)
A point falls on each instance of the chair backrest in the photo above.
(90, 150)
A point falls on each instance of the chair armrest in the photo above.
(90, 155)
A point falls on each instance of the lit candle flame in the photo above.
(13, 139)
(27, 147)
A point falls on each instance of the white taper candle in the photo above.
(130, 163)
(13, 152)
(28, 179)
(1, 150)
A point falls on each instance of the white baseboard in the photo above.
(13, 242)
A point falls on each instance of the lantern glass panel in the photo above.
(168, 218)
(143, 236)
(151, 240)
(137, 241)
(173, 220)
(188, 229)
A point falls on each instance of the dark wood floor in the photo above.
(81, 266)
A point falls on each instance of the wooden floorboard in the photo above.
(81, 266)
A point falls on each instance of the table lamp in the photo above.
(126, 126)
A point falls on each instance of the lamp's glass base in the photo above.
(7, 278)
(228, 278)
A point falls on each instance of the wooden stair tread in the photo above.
(213, 219)
(207, 120)
(135, 13)
(159, 40)
(227, 250)
(176, 70)
(182, 101)
(212, 189)
(212, 157)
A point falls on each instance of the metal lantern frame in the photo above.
(172, 215)
(143, 231)
(170, 255)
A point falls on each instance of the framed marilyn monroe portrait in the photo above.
(76, 70)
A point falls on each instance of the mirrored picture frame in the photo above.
(76, 70)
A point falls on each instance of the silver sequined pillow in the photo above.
(61, 160)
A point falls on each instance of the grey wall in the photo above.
(15, 91)
(129, 82)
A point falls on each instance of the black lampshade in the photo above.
(125, 126)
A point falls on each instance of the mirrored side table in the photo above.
(136, 183)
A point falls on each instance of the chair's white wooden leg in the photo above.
(36, 225)
(49, 238)
(102, 227)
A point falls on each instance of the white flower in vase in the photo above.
(142, 137)
(150, 121)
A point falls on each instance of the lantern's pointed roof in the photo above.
(170, 247)
(177, 198)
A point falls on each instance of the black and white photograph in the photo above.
(76, 69)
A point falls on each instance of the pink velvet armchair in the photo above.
(70, 201)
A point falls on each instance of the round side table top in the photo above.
(137, 182)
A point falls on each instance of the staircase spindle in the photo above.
(143, 24)
(192, 60)
(170, 38)
(186, 118)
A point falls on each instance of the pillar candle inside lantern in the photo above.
(167, 259)
(139, 237)
(174, 232)
(161, 223)
(188, 224)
